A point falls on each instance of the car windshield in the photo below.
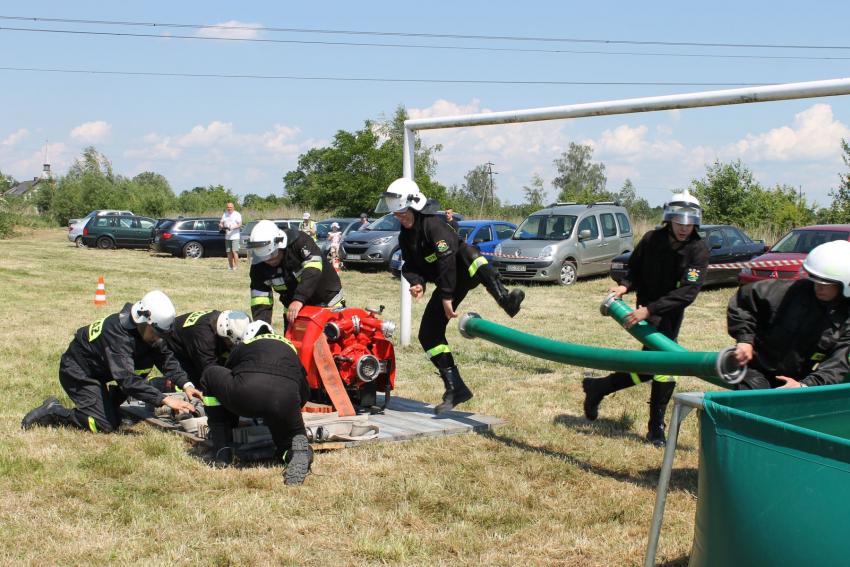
(545, 227)
(802, 241)
(324, 227)
(386, 222)
(464, 231)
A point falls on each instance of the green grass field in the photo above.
(548, 488)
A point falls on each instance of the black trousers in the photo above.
(96, 404)
(432, 329)
(758, 379)
(276, 399)
(669, 326)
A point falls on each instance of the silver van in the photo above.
(565, 241)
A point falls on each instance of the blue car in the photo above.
(485, 234)
(190, 238)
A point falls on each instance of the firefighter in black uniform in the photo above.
(666, 270)
(263, 377)
(290, 263)
(122, 347)
(795, 334)
(433, 252)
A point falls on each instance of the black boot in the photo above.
(298, 460)
(508, 300)
(595, 389)
(49, 414)
(221, 438)
(456, 391)
(658, 400)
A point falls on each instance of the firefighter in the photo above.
(308, 226)
(263, 377)
(290, 263)
(122, 347)
(201, 339)
(796, 333)
(433, 252)
(667, 270)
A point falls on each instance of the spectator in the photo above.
(450, 218)
(231, 222)
(308, 226)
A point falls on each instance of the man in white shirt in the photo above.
(231, 222)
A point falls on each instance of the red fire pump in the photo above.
(360, 346)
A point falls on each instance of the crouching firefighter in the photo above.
(201, 339)
(290, 263)
(433, 252)
(263, 377)
(666, 270)
(796, 333)
(122, 347)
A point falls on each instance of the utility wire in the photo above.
(377, 79)
(431, 35)
(424, 46)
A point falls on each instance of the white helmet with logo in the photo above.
(265, 239)
(401, 195)
(683, 208)
(232, 325)
(830, 263)
(155, 309)
(257, 328)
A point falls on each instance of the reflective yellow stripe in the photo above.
(92, 425)
(439, 349)
(261, 300)
(635, 377)
(210, 401)
(279, 287)
(664, 378)
(818, 357)
(143, 371)
(430, 259)
(477, 263)
(315, 265)
(193, 318)
(95, 329)
(280, 338)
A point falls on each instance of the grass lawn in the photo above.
(548, 488)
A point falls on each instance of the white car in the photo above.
(76, 226)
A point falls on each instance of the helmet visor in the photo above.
(682, 213)
(388, 203)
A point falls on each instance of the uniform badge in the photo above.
(305, 252)
(693, 275)
(442, 246)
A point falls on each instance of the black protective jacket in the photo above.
(792, 332)
(666, 279)
(196, 343)
(431, 251)
(304, 275)
(267, 354)
(112, 349)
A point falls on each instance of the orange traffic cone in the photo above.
(100, 294)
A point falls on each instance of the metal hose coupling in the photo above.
(461, 324)
(728, 367)
(606, 303)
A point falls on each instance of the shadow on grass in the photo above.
(678, 562)
(681, 479)
(621, 428)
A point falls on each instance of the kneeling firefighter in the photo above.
(122, 347)
(263, 377)
(666, 270)
(433, 252)
(201, 339)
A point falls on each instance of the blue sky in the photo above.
(246, 133)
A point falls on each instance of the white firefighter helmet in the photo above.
(830, 263)
(257, 328)
(155, 309)
(683, 208)
(265, 239)
(401, 195)
(232, 325)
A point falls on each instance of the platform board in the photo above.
(404, 419)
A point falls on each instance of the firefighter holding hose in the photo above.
(666, 270)
(433, 252)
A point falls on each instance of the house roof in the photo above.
(22, 188)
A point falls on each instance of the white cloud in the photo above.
(15, 137)
(623, 140)
(207, 135)
(232, 29)
(282, 140)
(91, 132)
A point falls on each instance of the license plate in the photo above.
(515, 267)
(352, 257)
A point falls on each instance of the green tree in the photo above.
(534, 193)
(89, 184)
(254, 201)
(729, 194)
(839, 210)
(638, 207)
(151, 194)
(6, 182)
(579, 179)
(199, 200)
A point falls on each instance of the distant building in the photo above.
(28, 190)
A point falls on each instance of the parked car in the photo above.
(245, 231)
(118, 231)
(346, 225)
(726, 244)
(485, 234)
(565, 241)
(76, 226)
(190, 237)
(795, 246)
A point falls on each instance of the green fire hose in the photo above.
(719, 368)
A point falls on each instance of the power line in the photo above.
(423, 46)
(379, 79)
(430, 35)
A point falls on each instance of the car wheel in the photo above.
(568, 273)
(105, 243)
(193, 250)
(78, 242)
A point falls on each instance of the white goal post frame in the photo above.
(786, 91)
